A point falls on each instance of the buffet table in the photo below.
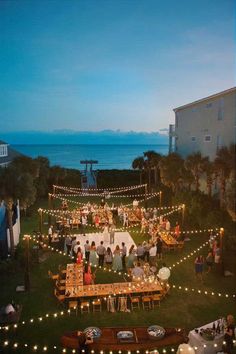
(140, 341)
(205, 346)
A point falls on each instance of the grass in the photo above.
(180, 308)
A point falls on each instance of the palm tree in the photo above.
(171, 171)
(195, 163)
(152, 163)
(209, 169)
(225, 166)
(138, 164)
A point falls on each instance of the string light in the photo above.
(101, 189)
(199, 291)
(125, 351)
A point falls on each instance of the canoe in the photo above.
(140, 339)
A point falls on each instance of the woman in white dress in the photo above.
(106, 235)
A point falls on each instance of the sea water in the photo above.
(108, 156)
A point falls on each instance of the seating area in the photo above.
(111, 304)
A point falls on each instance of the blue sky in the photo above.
(110, 64)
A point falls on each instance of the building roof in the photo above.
(206, 98)
(12, 153)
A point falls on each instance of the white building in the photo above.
(204, 125)
(7, 154)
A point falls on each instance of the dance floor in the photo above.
(98, 237)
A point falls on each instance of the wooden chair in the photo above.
(73, 305)
(84, 306)
(135, 302)
(122, 304)
(59, 286)
(146, 302)
(60, 297)
(97, 305)
(53, 276)
(156, 300)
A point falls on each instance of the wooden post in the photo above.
(40, 221)
(222, 249)
(49, 207)
(145, 201)
(27, 275)
(160, 198)
(183, 212)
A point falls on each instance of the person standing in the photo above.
(93, 255)
(101, 250)
(123, 255)
(106, 233)
(117, 262)
(177, 230)
(159, 248)
(68, 243)
(125, 219)
(146, 248)
(75, 249)
(112, 233)
(108, 257)
(229, 335)
(209, 260)
(152, 255)
(79, 256)
(199, 263)
(140, 252)
(131, 257)
(50, 233)
(87, 250)
(167, 226)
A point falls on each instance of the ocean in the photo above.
(109, 157)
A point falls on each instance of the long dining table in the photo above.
(75, 288)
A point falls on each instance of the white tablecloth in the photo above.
(203, 346)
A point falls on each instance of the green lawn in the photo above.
(180, 308)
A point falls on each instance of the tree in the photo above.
(25, 164)
(152, 162)
(195, 163)
(225, 165)
(138, 164)
(209, 170)
(171, 171)
(41, 182)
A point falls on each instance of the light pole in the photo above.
(222, 249)
(40, 220)
(160, 200)
(183, 211)
(27, 276)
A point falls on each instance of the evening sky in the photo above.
(110, 64)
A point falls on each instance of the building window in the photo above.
(208, 105)
(207, 138)
(3, 150)
(193, 138)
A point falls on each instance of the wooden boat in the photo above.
(140, 340)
